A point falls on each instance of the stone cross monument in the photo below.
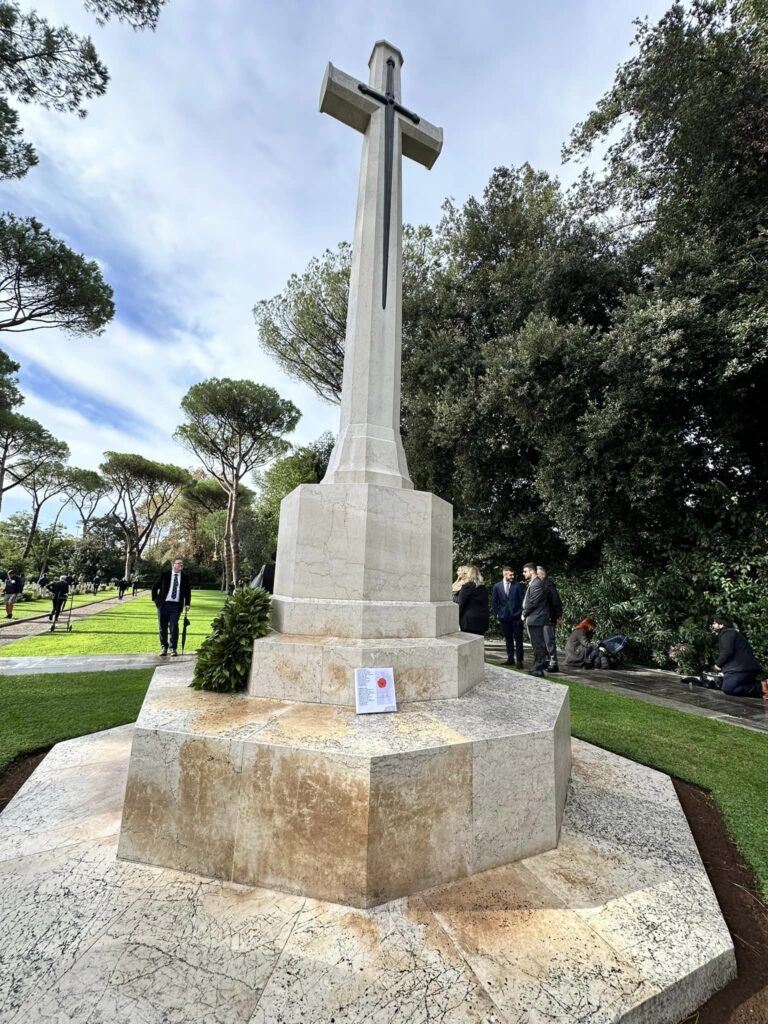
(287, 787)
(368, 449)
(363, 560)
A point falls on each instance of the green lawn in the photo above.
(28, 609)
(729, 762)
(38, 711)
(122, 629)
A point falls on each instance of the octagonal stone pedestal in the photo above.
(321, 669)
(313, 799)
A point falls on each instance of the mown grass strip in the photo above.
(43, 605)
(728, 761)
(37, 711)
(121, 629)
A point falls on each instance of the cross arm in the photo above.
(341, 98)
(422, 142)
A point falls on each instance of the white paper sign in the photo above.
(374, 690)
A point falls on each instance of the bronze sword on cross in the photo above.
(391, 106)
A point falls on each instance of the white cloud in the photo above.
(206, 176)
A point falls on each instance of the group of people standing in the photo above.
(537, 607)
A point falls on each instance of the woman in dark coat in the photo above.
(578, 646)
(474, 616)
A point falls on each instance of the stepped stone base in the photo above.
(313, 799)
(322, 669)
(306, 616)
(619, 924)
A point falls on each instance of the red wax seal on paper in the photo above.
(382, 683)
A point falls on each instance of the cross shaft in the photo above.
(369, 448)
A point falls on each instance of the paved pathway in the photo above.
(20, 629)
(662, 688)
(84, 663)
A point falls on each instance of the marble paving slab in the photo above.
(619, 924)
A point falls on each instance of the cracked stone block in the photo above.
(311, 798)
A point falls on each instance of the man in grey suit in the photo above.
(536, 615)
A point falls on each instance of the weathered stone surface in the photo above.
(314, 799)
(361, 542)
(322, 669)
(617, 924)
(307, 616)
(368, 448)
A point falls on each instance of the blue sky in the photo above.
(206, 176)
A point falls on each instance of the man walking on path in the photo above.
(14, 585)
(507, 601)
(171, 593)
(555, 618)
(536, 616)
(59, 590)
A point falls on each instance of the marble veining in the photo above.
(600, 929)
(313, 799)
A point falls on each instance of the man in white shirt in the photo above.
(172, 593)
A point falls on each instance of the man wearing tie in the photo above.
(507, 600)
(171, 594)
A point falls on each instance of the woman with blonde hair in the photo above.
(472, 598)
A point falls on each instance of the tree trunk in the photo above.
(234, 540)
(226, 546)
(128, 557)
(32, 532)
(3, 461)
(51, 536)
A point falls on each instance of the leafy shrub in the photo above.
(666, 607)
(224, 658)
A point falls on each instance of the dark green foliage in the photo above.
(43, 283)
(136, 13)
(224, 658)
(304, 465)
(235, 427)
(201, 577)
(144, 491)
(584, 374)
(303, 329)
(24, 441)
(10, 396)
(54, 67)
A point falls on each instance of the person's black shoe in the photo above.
(50, 618)
(164, 652)
(174, 654)
(507, 662)
(519, 664)
(553, 667)
(536, 672)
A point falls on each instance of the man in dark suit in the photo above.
(172, 593)
(59, 591)
(507, 601)
(556, 618)
(536, 615)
